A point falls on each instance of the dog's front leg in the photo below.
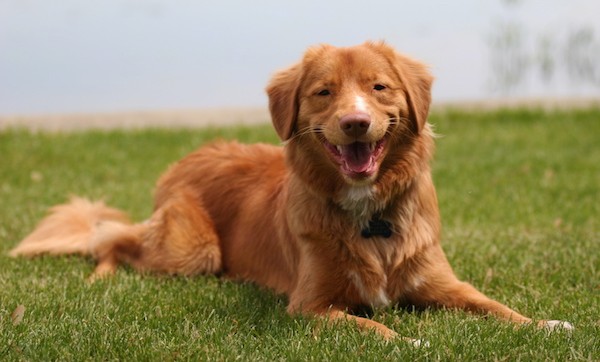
(335, 315)
(440, 287)
(332, 316)
(454, 294)
(461, 295)
(304, 300)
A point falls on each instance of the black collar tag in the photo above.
(377, 227)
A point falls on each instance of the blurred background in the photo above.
(75, 56)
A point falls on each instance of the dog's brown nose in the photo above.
(355, 124)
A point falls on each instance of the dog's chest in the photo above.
(368, 275)
(375, 277)
(370, 257)
(370, 291)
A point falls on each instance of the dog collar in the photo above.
(377, 227)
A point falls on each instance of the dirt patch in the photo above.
(234, 116)
(133, 120)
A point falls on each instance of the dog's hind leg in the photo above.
(179, 238)
(188, 242)
(113, 243)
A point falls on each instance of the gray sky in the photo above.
(114, 55)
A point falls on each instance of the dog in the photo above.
(343, 216)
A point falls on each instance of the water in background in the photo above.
(114, 55)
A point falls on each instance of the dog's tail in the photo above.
(78, 227)
(106, 234)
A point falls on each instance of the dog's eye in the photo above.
(379, 87)
(324, 92)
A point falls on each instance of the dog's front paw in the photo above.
(417, 343)
(552, 326)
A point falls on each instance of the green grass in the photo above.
(519, 193)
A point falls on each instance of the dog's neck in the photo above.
(362, 202)
(375, 214)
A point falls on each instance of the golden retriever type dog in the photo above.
(343, 216)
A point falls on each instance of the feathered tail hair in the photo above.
(82, 227)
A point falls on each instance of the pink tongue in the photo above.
(357, 156)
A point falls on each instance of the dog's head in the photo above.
(350, 104)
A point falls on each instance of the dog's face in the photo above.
(350, 104)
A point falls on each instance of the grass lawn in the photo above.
(519, 193)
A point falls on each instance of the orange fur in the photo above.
(357, 144)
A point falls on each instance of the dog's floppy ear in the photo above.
(283, 100)
(417, 82)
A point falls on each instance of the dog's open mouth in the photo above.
(357, 159)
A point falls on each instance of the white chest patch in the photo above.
(415, 283)
(359, 200)
(359, 193)
(374, 298)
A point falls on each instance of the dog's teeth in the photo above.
(339, 148)
(372, 146)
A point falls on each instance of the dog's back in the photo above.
(242, 188)
(215, 211)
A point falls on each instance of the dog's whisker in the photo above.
(305, 131)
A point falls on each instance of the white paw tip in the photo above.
(557, 325)
(419, 343)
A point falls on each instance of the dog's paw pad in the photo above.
(556, 325)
